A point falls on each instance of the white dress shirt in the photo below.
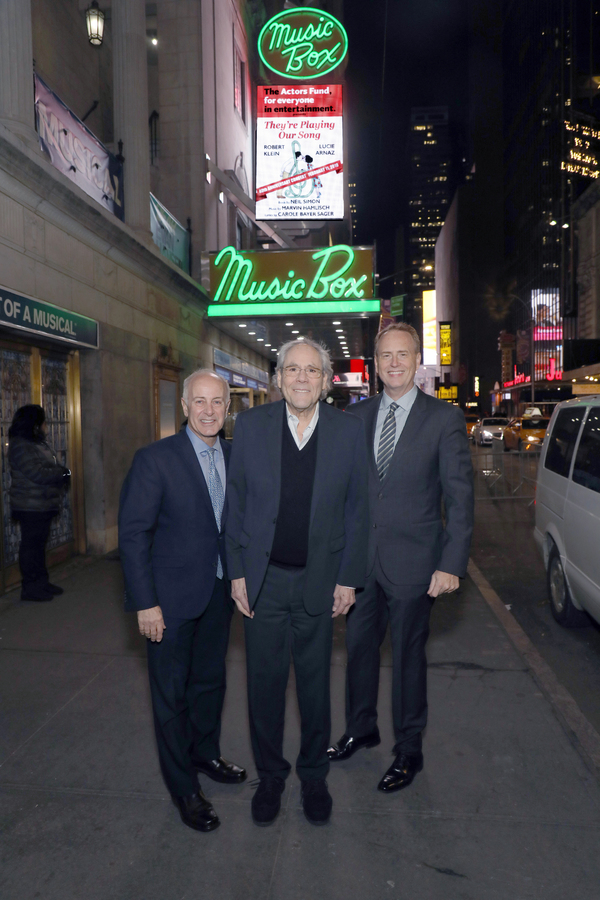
(308, 431)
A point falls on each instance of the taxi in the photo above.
(471, 420)
(525, 433)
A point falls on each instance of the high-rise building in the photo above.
(551, 132)
(432, 184)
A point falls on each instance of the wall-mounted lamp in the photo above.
(94, 20)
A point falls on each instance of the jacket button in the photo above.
(274, 521)
(374, 526)
(381, 496)
(267, 553)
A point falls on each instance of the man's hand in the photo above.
(344, 598)
(151, 623)
(442, 583)
(240, 596)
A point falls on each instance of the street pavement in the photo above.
(505, 809)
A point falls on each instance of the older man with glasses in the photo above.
(296, 549)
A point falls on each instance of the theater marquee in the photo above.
(270, 283)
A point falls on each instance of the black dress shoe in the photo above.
(38, 596)
(266, 802)
(221, 770)
(316, 801)
(347, 746)
(54, 589)
(197, 812)
(401, 773)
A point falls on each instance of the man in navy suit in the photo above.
(419, 456)
(296, 551)
(171, 546)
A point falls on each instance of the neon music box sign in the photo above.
(302, 43)
(333, 279)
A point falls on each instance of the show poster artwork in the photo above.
(300, 152)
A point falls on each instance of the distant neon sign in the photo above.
(302, 43)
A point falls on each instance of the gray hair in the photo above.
(190, 378)
(323, 354)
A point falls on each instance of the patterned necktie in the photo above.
(217, 496)
(386, 441)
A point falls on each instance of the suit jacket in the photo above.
(168, 536)
(431, 462)
(338, 516)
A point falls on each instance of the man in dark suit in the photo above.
(296, 550)
(419, 456)
(171, 545)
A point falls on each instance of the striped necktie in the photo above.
(386, 441)
(217, 495)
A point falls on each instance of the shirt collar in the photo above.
(406, 401)
(295, 419)
(201, 446)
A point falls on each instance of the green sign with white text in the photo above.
(302, 43)
(27, 314)
(260, 282)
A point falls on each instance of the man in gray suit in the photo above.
(296, 549)
(419, 456)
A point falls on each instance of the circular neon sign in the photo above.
(302, 43)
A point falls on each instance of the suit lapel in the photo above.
(325, 451)
(271, 450)
(370, 425)
(411, 428)
(192, 464)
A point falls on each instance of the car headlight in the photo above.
(533, 439)
(487, 434)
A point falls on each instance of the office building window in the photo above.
(239, 82)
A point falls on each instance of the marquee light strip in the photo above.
(325, 307)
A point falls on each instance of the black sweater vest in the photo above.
(290, 544)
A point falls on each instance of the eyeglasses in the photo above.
(310, 371)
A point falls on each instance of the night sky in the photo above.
(426, 65)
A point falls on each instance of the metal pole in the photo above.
(532, 351)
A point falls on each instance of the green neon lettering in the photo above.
(236, 283)
(353, 290)
(325, 255)
(295, 48)
(243, 266)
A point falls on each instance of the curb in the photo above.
(580, 732)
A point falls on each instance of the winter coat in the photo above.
(37, 479)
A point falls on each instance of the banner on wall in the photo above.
(299, 152)
(76, 152)
(169, 235)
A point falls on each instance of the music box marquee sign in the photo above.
(302, 43)
(332, 279)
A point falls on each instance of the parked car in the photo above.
(567, 510)
(471, 420)
(525, 433)
(487, 429)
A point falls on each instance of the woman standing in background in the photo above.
(37, 483)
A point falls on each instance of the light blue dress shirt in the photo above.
(404, 407)
(202, 448)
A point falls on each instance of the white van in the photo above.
(567, 511)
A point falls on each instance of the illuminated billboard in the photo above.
(299, 152)
(429, 329)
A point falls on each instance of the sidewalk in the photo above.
(505, 808)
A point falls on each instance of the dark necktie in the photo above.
(386, 441)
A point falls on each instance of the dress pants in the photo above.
(281, 628)
(35, 528)
(187, 684)
(407, 608)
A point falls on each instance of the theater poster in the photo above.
(300, 152)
